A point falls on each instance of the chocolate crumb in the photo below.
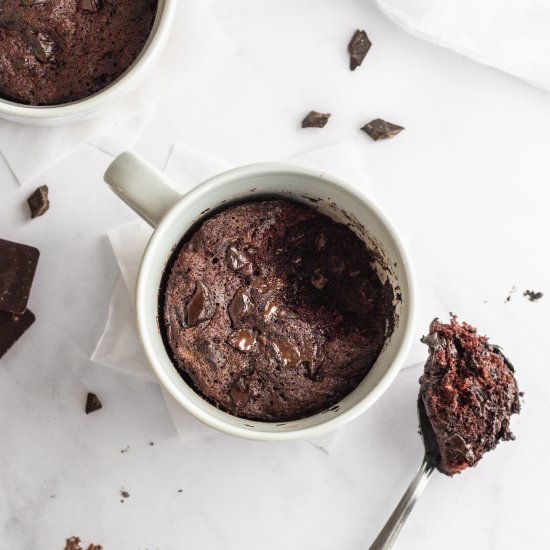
(124, 494)
(358, 48)
(92, 403)
(180, 490)
(315, 120)
(533, 296)
(379, 129)
(39, 202)
(73, 543)
(151, 443)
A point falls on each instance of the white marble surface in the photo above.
(467, 183)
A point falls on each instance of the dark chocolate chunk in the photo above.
(39, 202)
(12, 327)
(288, 354)
(532, 295)
(17, 269)
(239, 307)
(41, 45)
(92, 403)
(199, 308)
(242, 339)
(91, 6)
(239, 260)
(379, 129)
(315, 120)
(358, 48)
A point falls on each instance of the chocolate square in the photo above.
(17, 267)
(39, 202)
(12, 327)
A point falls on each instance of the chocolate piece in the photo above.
(467, 395)
(90, 6)
(242, 339)
(379, 129)
(277, 347)
(58, 51)
(533, 296)
(288, 354)
(40, 44)
(239, 307)
(17, 268)
(74, 544)
(12, 327)
(92, 403)
(39, 202)
(124, 494)
(315, 120)
(358, 48)
(199, 308)
(239, 260)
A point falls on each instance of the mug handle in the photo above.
(141, 186)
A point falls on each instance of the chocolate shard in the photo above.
(17, 268)
(39, 202)
(379, 129)
(239, 260)
(533, 296)
(315, 120)
(199, 308)
(243, 390)
(90, 6)
(41, 45)
(240, 306)
(92, 403)
(358, 48)
(12, 327)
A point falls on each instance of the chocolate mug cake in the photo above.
(58, 51)
(273, 311)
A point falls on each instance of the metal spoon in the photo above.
(388, 535)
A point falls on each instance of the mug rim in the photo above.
(155, 42)
(146, 266)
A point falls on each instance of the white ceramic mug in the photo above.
(146, 190)
(76, 111)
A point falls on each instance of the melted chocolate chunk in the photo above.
(242, 339)
(92, 403)
(315, 120)
(379, 129)
(288, 354)
(239, 307)
(358, 48)
(12, 327)
(239, 261)
(38, 202)
(17, 268)
(199, 308)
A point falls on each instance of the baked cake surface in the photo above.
(273, 311)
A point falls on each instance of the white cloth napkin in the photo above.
(119, 345)
(512, 35)
(31, 150)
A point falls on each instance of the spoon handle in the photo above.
(388, 535)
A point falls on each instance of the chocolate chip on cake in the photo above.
(39, 202)
(315, 120)
(379, 129)
(286, 339)
(358, 48)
